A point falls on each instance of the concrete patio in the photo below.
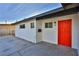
(12, 46)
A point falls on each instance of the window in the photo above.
(22, 26)
(49, 25)
(32, 25)
(46, 25)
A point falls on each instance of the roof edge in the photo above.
(39, 15)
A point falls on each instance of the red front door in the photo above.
(65, 32)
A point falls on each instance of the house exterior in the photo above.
(27, 32)
(61, 28)
(7, 29)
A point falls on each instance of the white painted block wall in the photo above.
(28, 33)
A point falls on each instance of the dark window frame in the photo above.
(49, 25)
(32, 25)
(22, 26)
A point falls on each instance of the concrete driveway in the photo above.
(12, 46)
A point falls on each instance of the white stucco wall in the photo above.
(27, 33)
(51, 34)
(38, 34)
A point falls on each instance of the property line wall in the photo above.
(7, 29)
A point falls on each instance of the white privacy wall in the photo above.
(28, 33)
(51, 34)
